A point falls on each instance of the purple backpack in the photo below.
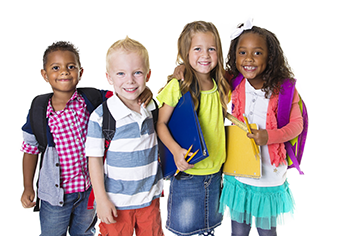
(294, 147)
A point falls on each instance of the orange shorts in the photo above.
(146, 221)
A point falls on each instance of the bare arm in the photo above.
(145, 97)
(106, 210)
(163, 132)
(29, 164)
(179, 72)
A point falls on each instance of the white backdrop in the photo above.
(306, 30)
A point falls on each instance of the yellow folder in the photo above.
(241, 160)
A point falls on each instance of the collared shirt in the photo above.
(69, 129)
(133, 177)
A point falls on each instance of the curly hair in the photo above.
(190, 77)
(277, 68)
(60, 46)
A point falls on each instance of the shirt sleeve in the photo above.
(95, 142)
(30, 144)
(170, 94)
(292, 129)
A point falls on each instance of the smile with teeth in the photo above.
(249, 67)
(130, 89)
(204, 63)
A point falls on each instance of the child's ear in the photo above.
(148, 76)
(109, 79)
(81, 71)
(44, 74)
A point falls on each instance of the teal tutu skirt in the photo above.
(266, 205)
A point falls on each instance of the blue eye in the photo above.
(71, 67)
(120, 73)
(55, 68)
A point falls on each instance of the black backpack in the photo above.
(93, 98)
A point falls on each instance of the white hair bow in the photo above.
(246, 26)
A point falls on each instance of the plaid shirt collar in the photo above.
(75, 96)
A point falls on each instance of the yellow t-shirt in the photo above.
(211, 120)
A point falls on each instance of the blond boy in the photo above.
(128, 186)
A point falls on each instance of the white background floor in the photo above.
(308, 33)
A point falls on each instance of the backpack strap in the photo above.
(236, 81)
(285, 102)
(38, 121)
(283, 115)
(93, 97)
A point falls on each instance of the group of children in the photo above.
(124, 173)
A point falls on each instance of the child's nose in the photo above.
(129, 78)
(249, 58)
(64, 71)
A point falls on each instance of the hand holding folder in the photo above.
(189, 159)
(243, 155)
(185, 129)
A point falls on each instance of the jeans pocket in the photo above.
(185, 176)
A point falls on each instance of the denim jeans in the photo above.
(238, 229)
(73, 216)
(193, 204)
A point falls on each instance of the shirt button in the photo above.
(57, 185)
(253, 100)
(57, 165)
(61, 203)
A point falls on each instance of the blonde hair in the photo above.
(128, 45)
(190, 77)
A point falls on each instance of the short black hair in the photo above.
(61, 46)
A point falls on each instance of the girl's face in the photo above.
(251, 58)
(202, 54)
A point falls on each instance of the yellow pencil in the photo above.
(185, 157)
(192, 156)
(255, 147)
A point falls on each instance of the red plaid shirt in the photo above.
(69, 129)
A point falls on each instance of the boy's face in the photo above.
(62, 71)
(128, 75)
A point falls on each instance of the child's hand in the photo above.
(145, 97)
(106, 211)
(260, 136)
(179, 72)
(27, 198)
(180, 162)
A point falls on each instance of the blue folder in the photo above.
(186, 131)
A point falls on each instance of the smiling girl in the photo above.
(256, 54)
(193, 197)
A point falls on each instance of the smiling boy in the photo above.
(127, 188)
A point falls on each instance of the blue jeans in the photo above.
(73, 216)
(193, 204)
(238, 229)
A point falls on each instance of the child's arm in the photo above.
(145, 97)
(163, 133)
(106, 210)
(286, 133)
(29, 164)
